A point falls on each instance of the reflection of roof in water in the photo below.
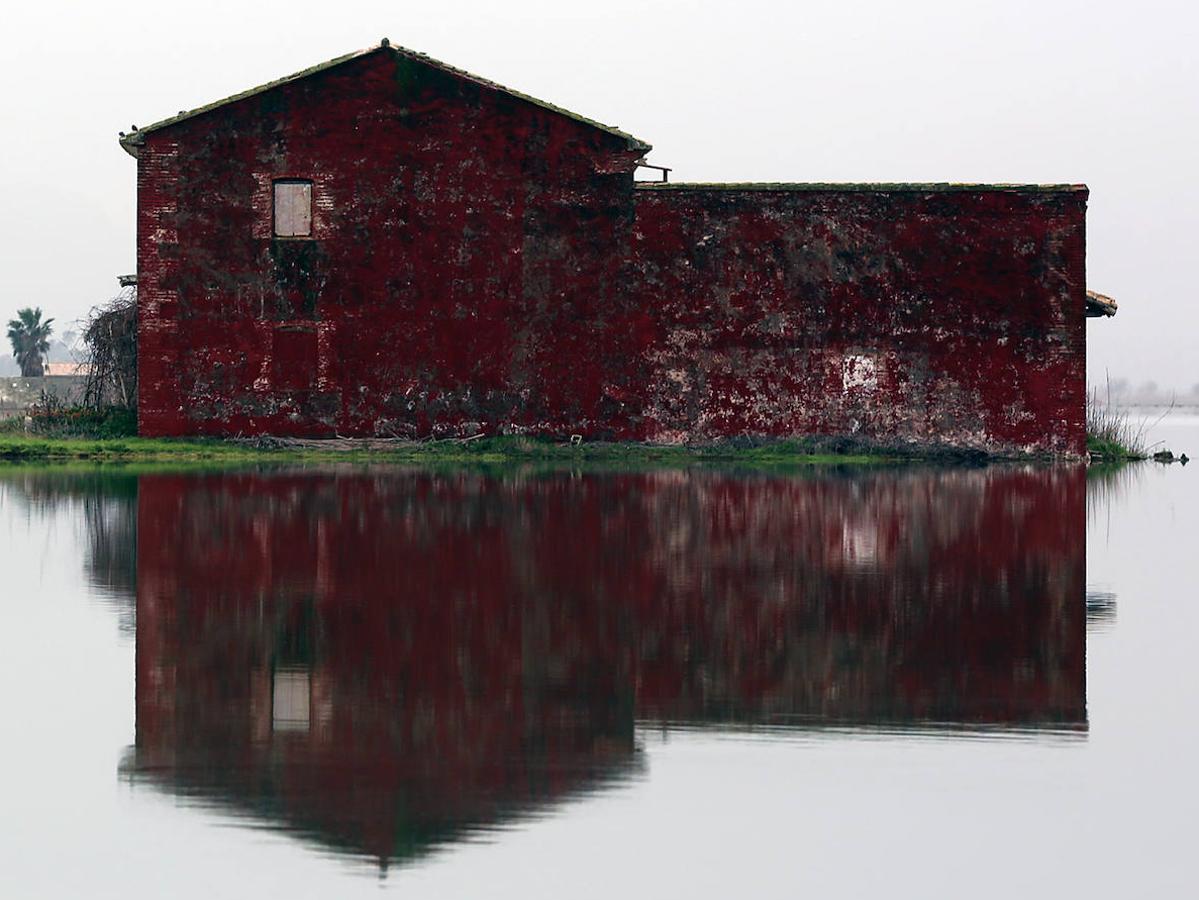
(811, 729)
(388, 824)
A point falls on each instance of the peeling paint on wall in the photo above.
(897, 314)
(859, 374)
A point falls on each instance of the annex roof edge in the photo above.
(933, 187)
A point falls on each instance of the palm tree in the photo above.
(30, 339)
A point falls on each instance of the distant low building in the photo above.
(68, 368)
(387, 245)
(17, 394)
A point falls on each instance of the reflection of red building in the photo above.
(382, 659)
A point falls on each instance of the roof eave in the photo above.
(132, 143)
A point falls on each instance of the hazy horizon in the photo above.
(929, 91)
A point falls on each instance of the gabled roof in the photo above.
(132, 141)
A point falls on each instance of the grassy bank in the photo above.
(17, 446)
(74, 435)
(1112, 436)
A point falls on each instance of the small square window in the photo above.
(290, 704)
(293, 208)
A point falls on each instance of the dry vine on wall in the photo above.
(110, 336)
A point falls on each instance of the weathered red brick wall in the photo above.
(483, 264)
(463, 272)
(951, 316)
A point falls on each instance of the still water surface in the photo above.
(916, 681)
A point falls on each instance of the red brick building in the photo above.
(385, 245)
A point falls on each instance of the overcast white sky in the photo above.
(925, 90)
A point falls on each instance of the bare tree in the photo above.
(110, 339)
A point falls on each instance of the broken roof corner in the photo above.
(1100, 305)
